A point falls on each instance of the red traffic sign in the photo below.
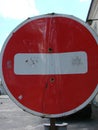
(50, 65)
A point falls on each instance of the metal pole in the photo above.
(52, 124)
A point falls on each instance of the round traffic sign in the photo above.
(50, 65)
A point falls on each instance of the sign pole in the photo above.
(52, 124)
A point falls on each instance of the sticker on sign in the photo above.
(50, 63)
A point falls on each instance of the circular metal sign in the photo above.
(50, 65)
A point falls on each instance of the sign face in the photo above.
(50, 65)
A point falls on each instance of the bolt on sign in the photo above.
(49, 65)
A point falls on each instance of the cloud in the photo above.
(18, 9)
(84, 0)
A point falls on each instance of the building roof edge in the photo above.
(89, 10)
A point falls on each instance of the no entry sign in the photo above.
(50, 65)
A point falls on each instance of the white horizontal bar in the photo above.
(50, 63)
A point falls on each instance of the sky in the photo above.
(13, 12)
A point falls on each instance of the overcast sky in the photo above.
(13, 12)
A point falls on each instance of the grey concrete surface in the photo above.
(14, 118)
